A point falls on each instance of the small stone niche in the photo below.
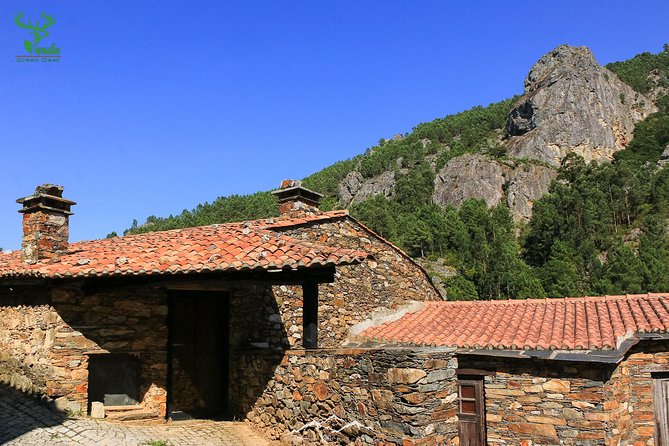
(113, 379)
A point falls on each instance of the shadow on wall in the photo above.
(251, 379)
(84, 337)
(111, 343)
(21, 413)
(258, 342)
(51, 334)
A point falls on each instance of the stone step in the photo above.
(128, 413)
(123, 408)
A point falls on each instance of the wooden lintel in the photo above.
(196, 285)
(474, 372)
(20, 282)
(211, 281)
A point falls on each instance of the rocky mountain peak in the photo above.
(562, 61)
(572, 104)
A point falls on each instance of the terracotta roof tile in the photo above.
(288, 221)
(592, 323)
(223, 247)
(278, 223)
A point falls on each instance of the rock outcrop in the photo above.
(572, 104)
(664, 158)
(479, 177)
(527, 183)
(658, 82)
(355, 188)
(469, 176)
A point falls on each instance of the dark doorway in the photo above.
(198, 354)
(471, 411)
(113, 379)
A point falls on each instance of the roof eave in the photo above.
(613, 356)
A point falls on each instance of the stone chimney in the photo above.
(45, 223)
(295, 199)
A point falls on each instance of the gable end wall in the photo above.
(387, 281)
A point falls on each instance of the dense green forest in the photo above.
(602, 229)
(221, 210)
(635, 71)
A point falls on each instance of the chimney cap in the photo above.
(47, 196)
(291, 189)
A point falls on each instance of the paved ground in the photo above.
(24, 422)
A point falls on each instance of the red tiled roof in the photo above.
(288, 221)
(223, 247)
(550, 324)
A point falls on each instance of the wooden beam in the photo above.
(310, 314)
(474, 372)
(207, 281)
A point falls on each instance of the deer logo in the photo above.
(38, 32)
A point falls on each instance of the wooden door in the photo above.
(198, 354)
(471, 411)
(661, 403)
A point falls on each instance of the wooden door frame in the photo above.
(224, 295)
(660, 384)
(479, 418)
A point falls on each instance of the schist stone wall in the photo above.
(46, 346)
(49, 332)
(386, 396)
(554, 402)
(544, 402)
(24, 353)
(388, 280)
(630, 392)
(408, 396)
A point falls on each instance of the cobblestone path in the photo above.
(25, 422)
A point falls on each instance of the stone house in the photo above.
(318, 331)
(573, 371)
(169, 324)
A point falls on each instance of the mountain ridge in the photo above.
(421, 189)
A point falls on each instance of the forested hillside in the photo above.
(601, 229)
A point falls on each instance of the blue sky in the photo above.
(159, 105)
